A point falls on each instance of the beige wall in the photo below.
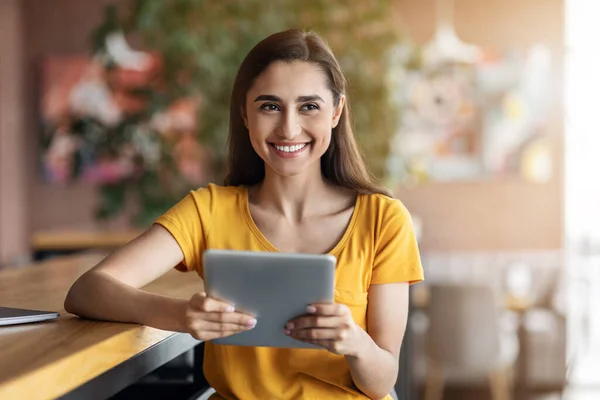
(500, 214)
(465, 216)
(13, 175)
(29, 30)
(56, 27)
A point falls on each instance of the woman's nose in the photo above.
(290, 126)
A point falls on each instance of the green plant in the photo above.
(201, 44)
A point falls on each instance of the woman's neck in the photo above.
(295, 197)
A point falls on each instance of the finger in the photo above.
(325, 343)
(330, 345)
(234, 318)
(202, 302)
(327, 309)
(316, 321)
(210, 326)
(318, 334)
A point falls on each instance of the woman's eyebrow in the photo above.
(267, 97)
(299, 99)
(314, 97)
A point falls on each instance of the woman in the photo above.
(296, 183)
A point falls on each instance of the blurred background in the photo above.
(478, 114)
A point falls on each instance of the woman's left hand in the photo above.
(327, 325)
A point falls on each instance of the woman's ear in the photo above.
(339, 109)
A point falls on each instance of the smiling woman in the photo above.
(305, 106)
(287, 124)
(311, 109)
(296, 184)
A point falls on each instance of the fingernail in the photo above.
(251, 322)
(229, 309)
(287, 331)
(311, 309)
(289, 325)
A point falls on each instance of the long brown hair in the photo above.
(342, 164)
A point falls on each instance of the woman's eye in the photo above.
(269, 107)
(309, 107)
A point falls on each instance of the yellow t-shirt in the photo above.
(379, 246)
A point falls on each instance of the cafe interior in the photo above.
(479, 115)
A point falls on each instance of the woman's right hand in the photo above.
(207, 318)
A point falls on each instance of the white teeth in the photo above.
(291, 149)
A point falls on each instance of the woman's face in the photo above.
(290, 114)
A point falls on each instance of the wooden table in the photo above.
(72, 239)
(73, 357)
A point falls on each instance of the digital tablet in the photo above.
(13, 316)
(273, 287)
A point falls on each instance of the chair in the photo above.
(465, 335)
(542, 323)
(546, 341)
(206, 395)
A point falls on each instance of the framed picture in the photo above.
(470, 121)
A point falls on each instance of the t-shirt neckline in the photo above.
(245, 206)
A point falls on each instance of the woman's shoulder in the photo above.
(208, 204)
(214, 198)
(381, 204)
(385, 217)
(383, 213)
(215, 191)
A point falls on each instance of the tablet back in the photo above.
(274, 287)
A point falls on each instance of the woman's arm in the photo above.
(373, 357)
(110, 291)
(374, 365)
